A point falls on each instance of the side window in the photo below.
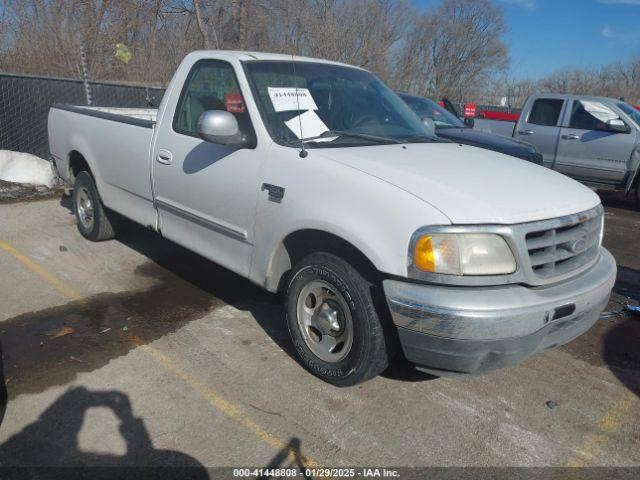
(590, 115)
(211, 85)
(546, 111)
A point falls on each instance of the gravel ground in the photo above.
(15, 192)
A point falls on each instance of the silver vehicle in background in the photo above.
(595, 140)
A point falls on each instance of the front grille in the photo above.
(533, 158)
(557, 251)
(546, 251)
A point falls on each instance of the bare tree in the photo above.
(453, 50)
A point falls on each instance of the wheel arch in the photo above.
(77, 163)
(299, 243)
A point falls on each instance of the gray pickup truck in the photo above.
(595, 140)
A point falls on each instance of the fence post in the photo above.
(85, 74)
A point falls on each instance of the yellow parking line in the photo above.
(608, 424)
(55, 282)
(211, 396)
(222, 405)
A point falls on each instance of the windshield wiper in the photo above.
(364, 136)
(423, 138)
(342, 133)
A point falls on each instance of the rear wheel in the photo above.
(91, 218)
(333, 321)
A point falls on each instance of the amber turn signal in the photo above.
(423, 257)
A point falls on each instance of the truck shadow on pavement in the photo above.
(621, 352)
(621, 342)
(188, 287)
(221, 286)
(232, 289)
(51, 346)
(53, 441)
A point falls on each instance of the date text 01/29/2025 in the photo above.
(316, 472)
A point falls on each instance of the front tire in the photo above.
(333, 322)
(91, 218)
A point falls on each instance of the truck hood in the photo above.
(467, 184)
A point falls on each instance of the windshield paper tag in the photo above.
(310, 123)
(599, 111)
(285, 99)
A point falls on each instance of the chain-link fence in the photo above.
(25, 103)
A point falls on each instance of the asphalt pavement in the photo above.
(138, 352)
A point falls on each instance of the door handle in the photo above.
(526, 132)
(571, 136)
(165, 157)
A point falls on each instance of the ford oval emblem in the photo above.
(579, 245)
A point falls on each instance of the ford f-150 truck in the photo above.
(595, 140)
(314, 179)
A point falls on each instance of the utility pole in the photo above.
(85, 74)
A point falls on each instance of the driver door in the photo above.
(586, 150)
(206, 193)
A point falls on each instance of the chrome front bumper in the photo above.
(472, 329)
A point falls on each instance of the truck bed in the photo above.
(116, 143)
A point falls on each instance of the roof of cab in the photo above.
(574, 97)
(248, 56)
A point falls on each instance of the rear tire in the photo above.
(333, 321)
(91, 217)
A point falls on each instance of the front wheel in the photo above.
(333, 322)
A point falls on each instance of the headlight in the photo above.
(463, 254)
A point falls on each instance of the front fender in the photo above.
(374, 216)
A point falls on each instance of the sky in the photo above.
(547, 35)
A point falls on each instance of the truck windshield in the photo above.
(428, 108)
(328, 105)
(631, 112)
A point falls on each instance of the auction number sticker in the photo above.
(286, 99)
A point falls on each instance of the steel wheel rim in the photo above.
(325, 321)
(84, 207)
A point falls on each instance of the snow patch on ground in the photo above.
(26, 169)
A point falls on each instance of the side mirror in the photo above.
(469, 122)
(219, 126)
(429, 123)
(618, 126)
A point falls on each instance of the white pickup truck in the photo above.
(313, 178)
